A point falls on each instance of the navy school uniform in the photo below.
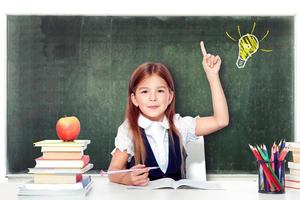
(174, 165)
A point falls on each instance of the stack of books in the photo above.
(59, 171)
(293, 180)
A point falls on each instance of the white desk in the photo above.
(104, 190)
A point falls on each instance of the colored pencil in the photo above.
(271, 177)
(104, 173)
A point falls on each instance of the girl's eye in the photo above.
(144, 91)
(161, 91)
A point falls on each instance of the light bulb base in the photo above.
(240, 63)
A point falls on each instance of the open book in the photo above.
(181, 184)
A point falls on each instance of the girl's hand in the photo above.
(139, 177)
(211, 63)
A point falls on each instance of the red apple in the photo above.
(68, 128)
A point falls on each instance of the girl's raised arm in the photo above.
(220, 117)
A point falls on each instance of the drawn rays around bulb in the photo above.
(248, 45)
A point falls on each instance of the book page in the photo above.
(181, 184)
(162, 183)
(192, 184)
(157, 184)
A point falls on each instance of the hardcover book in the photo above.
(61, 170)
(75, 190)
(56, 178)
(56, 155)
(42, 163)
(61, 143)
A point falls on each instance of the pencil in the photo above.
(270, 175)
(104, 173)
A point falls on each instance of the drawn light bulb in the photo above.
(248, 45)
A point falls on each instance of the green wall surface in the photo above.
(80, 65)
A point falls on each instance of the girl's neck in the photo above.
(155, 119)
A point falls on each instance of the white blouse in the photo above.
(157, 135)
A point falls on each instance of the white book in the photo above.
(60, 170)
(293, 165)
(294, 172)
(291, 177)
(63, 149)
(180, 184)
(23, 191)
(293, 145)
(61, 143)
(61, 186)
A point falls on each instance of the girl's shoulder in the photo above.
(178, 119)
(124, 125)
(184, 123)
(123, 140)
(124, 129)
(186, 126)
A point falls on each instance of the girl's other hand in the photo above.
(139, 177)
(211, 63)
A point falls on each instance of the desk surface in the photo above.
(105, 190)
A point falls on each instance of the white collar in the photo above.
(144, 122)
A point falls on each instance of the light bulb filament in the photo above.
(248, 45)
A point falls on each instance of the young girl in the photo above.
(152, 134)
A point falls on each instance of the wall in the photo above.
(80, 65)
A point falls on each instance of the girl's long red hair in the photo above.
(132, 112)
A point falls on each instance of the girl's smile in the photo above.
(153, 107)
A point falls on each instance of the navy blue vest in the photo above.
(174, 165)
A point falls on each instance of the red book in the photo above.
(76, 163)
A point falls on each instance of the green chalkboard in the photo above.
(80, 65)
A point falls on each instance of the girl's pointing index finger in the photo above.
(203, 48)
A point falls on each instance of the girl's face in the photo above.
(153, 97)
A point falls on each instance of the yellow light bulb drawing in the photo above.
(248, 45)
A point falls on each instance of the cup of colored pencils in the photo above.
(271, 167)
